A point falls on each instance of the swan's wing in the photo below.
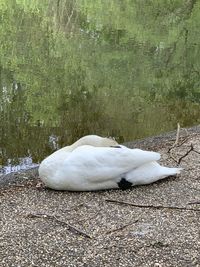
(97, 164)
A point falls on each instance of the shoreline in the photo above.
(151, 225)
(150, 143)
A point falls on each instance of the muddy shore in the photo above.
(154, 225)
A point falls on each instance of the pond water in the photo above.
(126, 69)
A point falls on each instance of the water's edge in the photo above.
(150, 143)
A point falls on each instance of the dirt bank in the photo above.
(154, 225)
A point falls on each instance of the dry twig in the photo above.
(176, 143)
(196, 151)
(52, 217)
(177, 134)
(178, 161)
(177, 138)
(122, 227)
(179, 145)
(151, 206)
(186, 154)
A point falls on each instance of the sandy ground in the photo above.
(158, 225)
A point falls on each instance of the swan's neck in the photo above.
(73, 146)
(80, 142)
(91, 140)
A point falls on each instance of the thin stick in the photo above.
(196, 151)
(184, 141)
(150, 206)
(186, 154)
(41, 215)
(122, 227)
(177, 134)
(177, 139)
(88, 219)
(172, 157)
(77, 230)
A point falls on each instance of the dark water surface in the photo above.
(68, 68)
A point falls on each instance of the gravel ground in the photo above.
(42, 227)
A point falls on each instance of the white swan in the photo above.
(96, 163)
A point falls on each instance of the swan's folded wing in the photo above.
(103, 163)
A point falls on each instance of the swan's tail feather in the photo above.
(150, 172)
(171, 171)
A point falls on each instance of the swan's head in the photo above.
(95, 140)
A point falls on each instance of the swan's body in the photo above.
(96, 163)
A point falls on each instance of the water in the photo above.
(127, 69)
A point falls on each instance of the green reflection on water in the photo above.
(127, 69)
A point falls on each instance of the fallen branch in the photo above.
(175, 160)
(179, 145)
(177, 134)
(75, 207)
(52, 217)
(87, 219)
(176, 143)
(196, 151)
(122, 227)
(150, 206)
(178, 161)
(186, 154)
(177, 138)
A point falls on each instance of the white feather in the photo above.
(91, 164)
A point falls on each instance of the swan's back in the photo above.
(92, 168)
(95, 163)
